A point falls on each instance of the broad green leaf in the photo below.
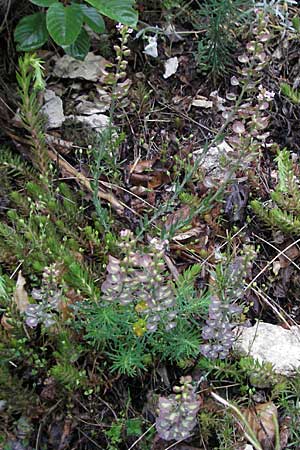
(64, 23)
(79, 49)
(119, 10)
(43, 2)
(93, 19)
(31, 32)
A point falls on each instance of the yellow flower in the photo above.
(141, 306)
(139, 327)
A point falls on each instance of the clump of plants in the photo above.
(141, 315)
(66, 24)
(283, 212)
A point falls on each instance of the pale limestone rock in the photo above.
(92, 68)
(271, 343)
(97, 122)
(53, 109)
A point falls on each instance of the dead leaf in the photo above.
(188, 234)
(202, 102)
(261, 420)
(90, 69)
(171, 66)
(180, 214)
(157, 179)
(141, 166)
(285, 432)
(20, 295)
(291, 254)
(5, 323)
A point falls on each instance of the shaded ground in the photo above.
(67, 388)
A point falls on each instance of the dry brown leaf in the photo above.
(261, 420)
(5, 323)
(20, 295)
(285, 432)
(157, 179)
(180, 214)
(291, 254)
(141, 166)
(194, 232)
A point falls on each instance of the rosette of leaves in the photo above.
(49, 299)
(66, 23)
(177, 413)
(137, 279)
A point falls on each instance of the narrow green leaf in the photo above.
(79, 49)
(64, 23)
(93, 19)
(119, 10)
(31, 32)
(44, 3)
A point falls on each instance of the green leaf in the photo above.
(64, 23)
(296, 23)
(119, 10)
(93, 19)
(43, 2)
(80, 47)
(31, 32)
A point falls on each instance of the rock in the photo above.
(91, 69)
(271, 343)
(53, 109)
(211, 162)
(96, 121)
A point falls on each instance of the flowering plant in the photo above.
(177, 413)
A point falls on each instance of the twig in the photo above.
(141, 437)
(282, 252)
(83, 180)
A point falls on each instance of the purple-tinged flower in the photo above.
(177, 413)
(234, 81)
(238, 127)
(243, 58)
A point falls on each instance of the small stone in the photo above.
(53, 110)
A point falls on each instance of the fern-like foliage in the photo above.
(114, 329)
(68, 376)
(44, 226)
(179, 345)
(128, 359)
(284, 213)
(14, 165)
(219, 19)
